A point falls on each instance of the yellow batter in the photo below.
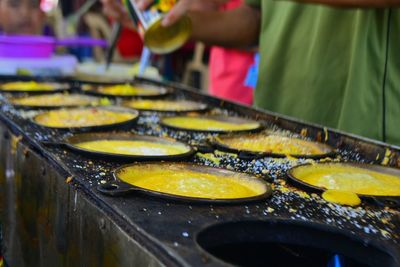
(62, 100)
(128, 90)
(208, 124)
(178, 181)
(163, 105)
(342, 197)
(348, 178)
(28, 86)
(68, 118)
(134, 147)
(273, 144)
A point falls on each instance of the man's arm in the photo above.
(239, 28)
(355, 3)
(236, 28)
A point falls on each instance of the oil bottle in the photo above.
(159, 39)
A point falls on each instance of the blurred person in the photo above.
(23, 17)
(227, 67)
(331, 62)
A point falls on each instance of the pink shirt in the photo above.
(228, 70)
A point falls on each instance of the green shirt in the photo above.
(335, 67)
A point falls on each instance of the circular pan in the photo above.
(91, 101)
(152, 91)
(219, 143)
(178, 106)
(255, 126)
(372, 167)
(57, 87)
(125, 188)
(73, 141)
(109, 126)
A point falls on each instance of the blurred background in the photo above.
(73, 38)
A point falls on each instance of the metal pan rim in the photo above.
(201, 108)
(27, 107)
(190, 151)
(94, 127)
(162, 92)
(61, 87)
(178, 198)
(257, 129)
(332, 153)
(305, 185)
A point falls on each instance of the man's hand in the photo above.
(238, 28)
(116, 10)
(182, 7)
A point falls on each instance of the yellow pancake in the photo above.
(176, 180)
(163, 105)
(53, 100)
(28, 86)
(349, 178)
(128, 90)
(342, 197)
(69, 118)
(134, 147)
(208, 124)
(273, 144)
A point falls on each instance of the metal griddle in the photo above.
(59, 204)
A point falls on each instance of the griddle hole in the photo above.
(287, 244)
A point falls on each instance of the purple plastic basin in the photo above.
(40, 46)
(82, 41)
(26, 46)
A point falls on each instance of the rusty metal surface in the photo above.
(49, 221)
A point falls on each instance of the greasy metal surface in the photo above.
(168, 229)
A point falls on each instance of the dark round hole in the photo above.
(287, 244)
